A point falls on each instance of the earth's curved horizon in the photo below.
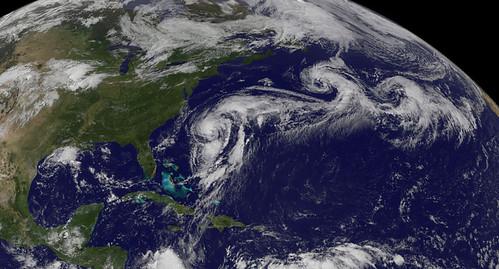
(239, 134)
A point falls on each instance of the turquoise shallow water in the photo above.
(172, 181)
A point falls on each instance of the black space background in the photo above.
(464, 31)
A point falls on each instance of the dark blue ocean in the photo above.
(320, 191)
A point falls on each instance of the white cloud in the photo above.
(45, 14)
(31, 89)
(71, 75)
(162, 259)
(345, 256)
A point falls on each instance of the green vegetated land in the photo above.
(223, 222)
(212, 11)
(219, 222)
(68, 241)
(104, 114)
(162, 199)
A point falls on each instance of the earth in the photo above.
(239, 134)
